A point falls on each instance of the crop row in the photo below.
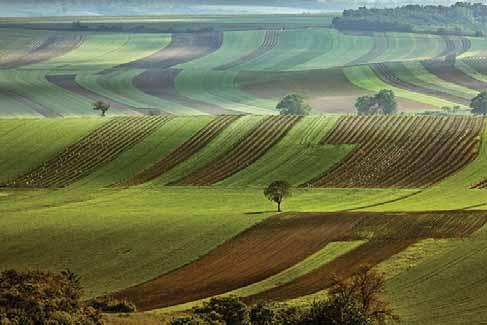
(452, 74)
(256, 144)
(95, 150)
(388, 76)
(183, 152)
(282, 241)
(271, 40)
(401, 152)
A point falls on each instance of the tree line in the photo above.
(458, 19)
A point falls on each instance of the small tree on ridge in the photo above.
(277, 191)
(101, 106)
(293, 105)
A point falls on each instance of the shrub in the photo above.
(112, 305)
(227, 310)
(36, 297)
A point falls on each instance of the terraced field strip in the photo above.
(119, 86)
(49, 48)
(401, 151)
(271, 40)
(297, 158)
(184, 47)
(69, 83)
(95, 150)
(279, 242)
(162, 84)
(364, 77)
(183, 152)
(256, 144)
(379, 48)
(20, 103)
(454, 75)
(386, 74)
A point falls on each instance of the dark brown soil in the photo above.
(451, 74)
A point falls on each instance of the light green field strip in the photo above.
(118, 86)
(363, 77)
(416, 73)
(478, 47)
(225, 141)
(469, 70)
(407, 46)
(297, 158)
(235, 45)
(149, 151)
(218, 87)
(311, 263)
(344, 49)
(11, 107)
(100, 51)
(16, 41)
(28, 143)
(34, 85)
(447, 288)
(452, 193)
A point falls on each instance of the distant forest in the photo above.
(458, 19)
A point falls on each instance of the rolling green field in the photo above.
(107, 64)
(116, 238)
(174, 204)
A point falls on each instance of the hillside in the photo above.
(117, 219)
(226, 65)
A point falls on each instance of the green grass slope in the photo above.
(25, 144)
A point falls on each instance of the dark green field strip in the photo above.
(271, 40)
(47, 49)
(454, 75)
(254, 146)
(161, 83)
(69, 83)
(95, 150)
(388, 76)
(25, 101)
(183, 152)
(401, 151)
(184, 47)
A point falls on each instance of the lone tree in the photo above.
(101, 106)
(293, 105)
(277, 191)
(479, 104)
(384, 102)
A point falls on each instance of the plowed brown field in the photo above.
(256, 144)
(284, 240)
(401, 151)
(183, 152)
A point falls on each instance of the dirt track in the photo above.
(161, 83)
(284, 240)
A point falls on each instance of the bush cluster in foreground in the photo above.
(354, 301)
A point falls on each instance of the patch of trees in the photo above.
(357, 300)
(384, 102)
(293, 104)
(37, 297)
(479, 104)
(458, 19)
